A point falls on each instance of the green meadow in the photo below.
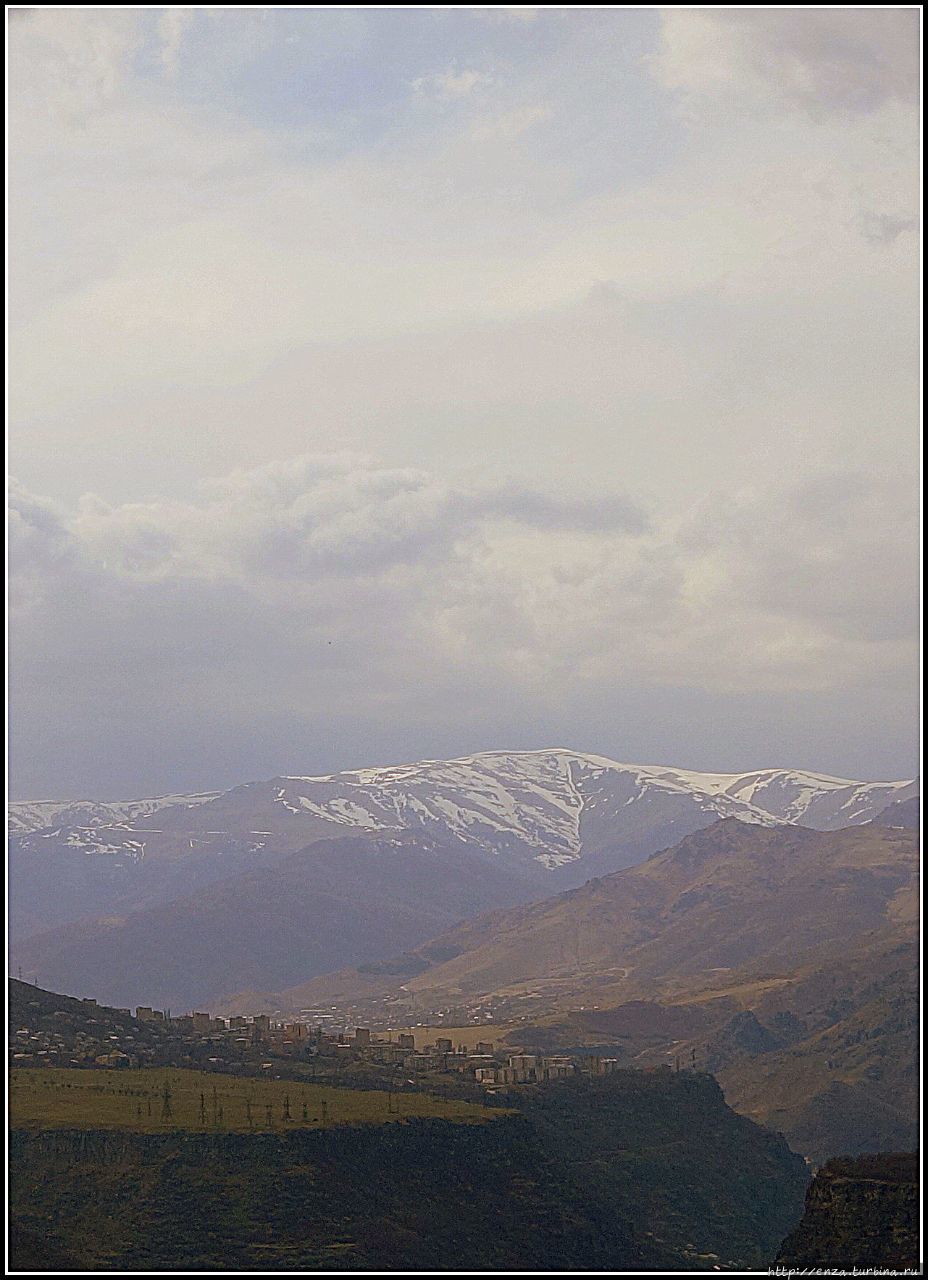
(159, 1100)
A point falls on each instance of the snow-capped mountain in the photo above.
(547, 798)
(490, 829)
(551, 804)
(87, 814)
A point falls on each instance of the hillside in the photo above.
(172, 1099)
(841, 1075)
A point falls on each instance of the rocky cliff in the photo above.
(860, 1212)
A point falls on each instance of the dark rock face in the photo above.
(860, 1212)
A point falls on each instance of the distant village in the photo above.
(97, 1036)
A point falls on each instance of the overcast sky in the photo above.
(404, 383)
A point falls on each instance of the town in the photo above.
(64, 1031)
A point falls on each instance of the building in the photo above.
(388, 1053)
(557, 1068)
(603, 1066)
(144, 1014)
(424, 1061)
(524, 1067)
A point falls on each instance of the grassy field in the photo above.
(162, 1099)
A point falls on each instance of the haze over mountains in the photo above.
(273, 882)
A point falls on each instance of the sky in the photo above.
(391, 384)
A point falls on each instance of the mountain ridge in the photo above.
(552, 808)
(529, 824)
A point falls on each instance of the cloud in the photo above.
(509, 125)
(173, 24)
(71, 65)
(452, 83)
(818, 60)
(307, 519)
(325, 588)
(624, 304)
(508, 12)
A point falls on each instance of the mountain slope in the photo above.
(336, 902)
(723, 898)
(845, 1076)
(558, 816)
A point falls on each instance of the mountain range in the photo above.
(782, 959)
(553, 806)
(185, 898)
